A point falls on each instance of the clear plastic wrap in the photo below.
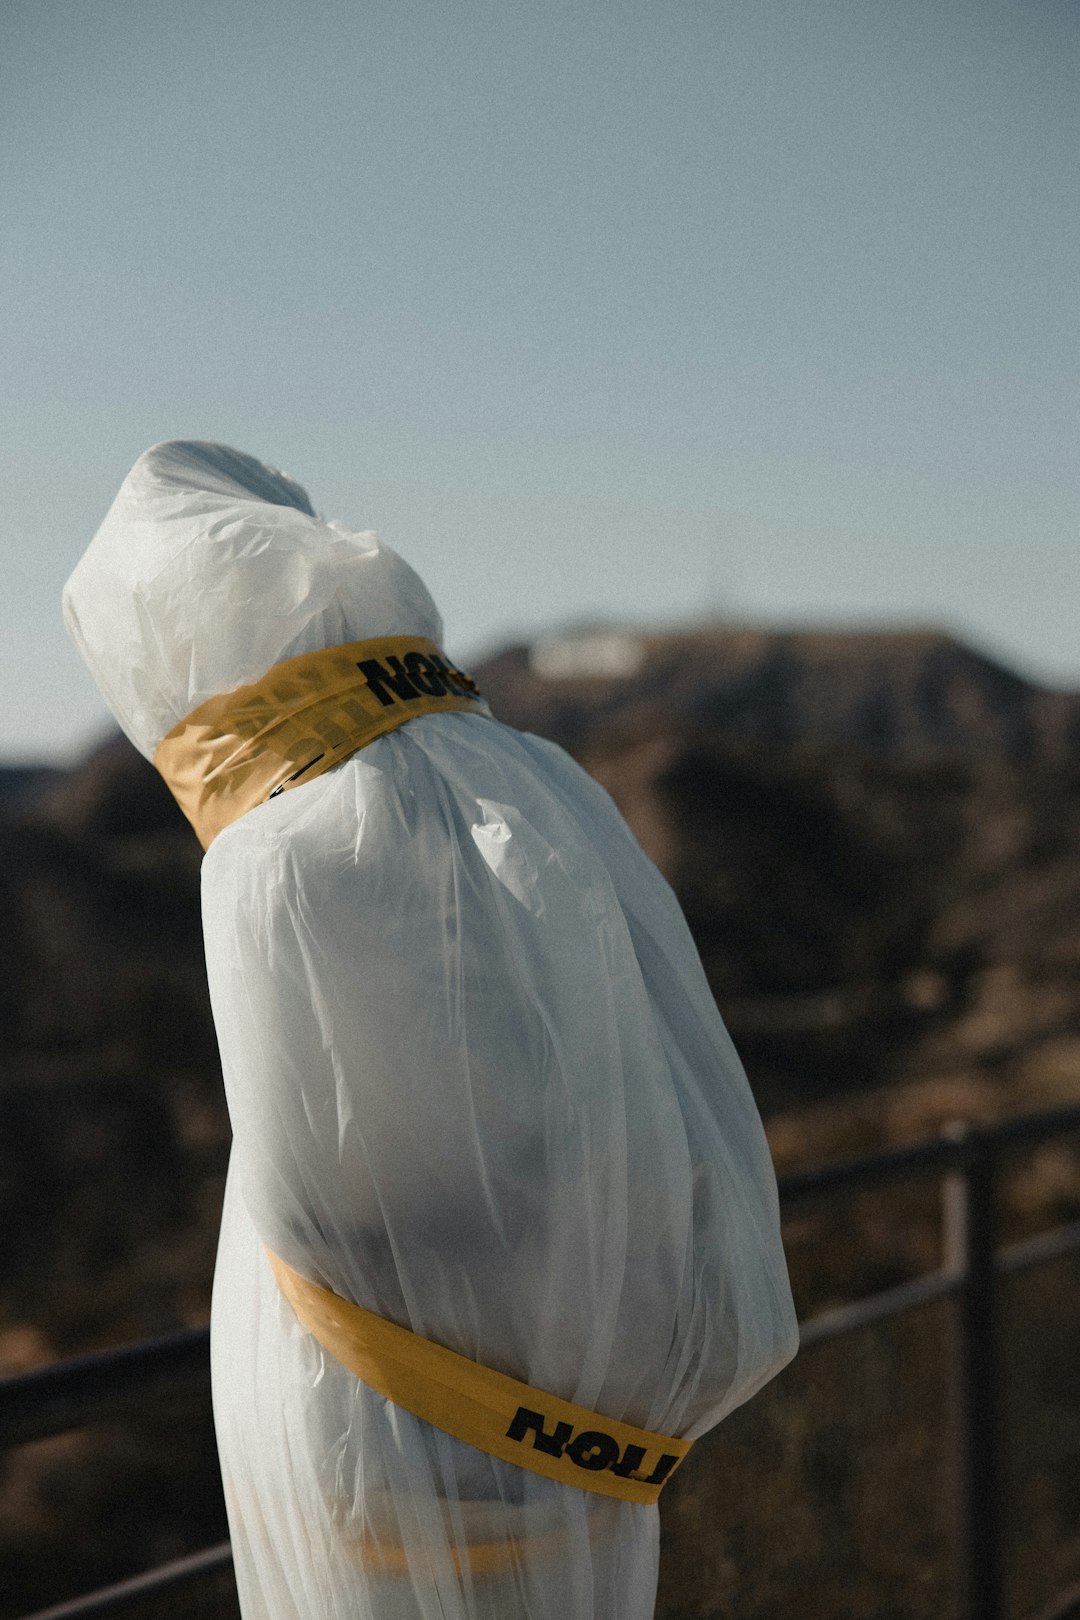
(477, 1082)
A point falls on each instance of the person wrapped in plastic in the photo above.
(500, 1234)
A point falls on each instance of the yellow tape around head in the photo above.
(301, 718)
(486, 1409)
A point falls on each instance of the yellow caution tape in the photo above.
(518, 1546)
(486, 1409)
(300, 719)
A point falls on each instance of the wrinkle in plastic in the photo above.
(477, 1083)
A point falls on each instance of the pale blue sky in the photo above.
(601, 310)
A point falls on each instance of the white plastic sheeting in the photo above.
(477, 1082)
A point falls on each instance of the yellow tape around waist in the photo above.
(301, 718)
(486, 1409)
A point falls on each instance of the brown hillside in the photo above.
(914, 692)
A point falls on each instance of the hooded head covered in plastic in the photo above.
(477, 1081)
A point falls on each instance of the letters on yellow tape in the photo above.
(301, 718)
(486, 1409)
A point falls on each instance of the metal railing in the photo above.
(967, 1161)
(163, 1592)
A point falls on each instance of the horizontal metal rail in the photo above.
(71, 1394)
(167, 1579)
(1041, 1249)
(874, 1308)
(937, 1155)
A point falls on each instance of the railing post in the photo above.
(969, 1223)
